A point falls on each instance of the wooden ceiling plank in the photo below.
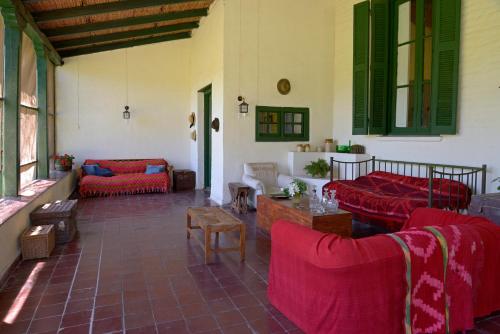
(126, 22)
(124, 35)
(101, 8)
(124, 44)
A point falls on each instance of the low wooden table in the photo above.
(212, 219)
(239, 196)
(270, 210)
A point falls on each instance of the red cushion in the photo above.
(126, 166)
(131, 183)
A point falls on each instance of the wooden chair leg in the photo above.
(188, 226)
(207, 244)
(242, 242)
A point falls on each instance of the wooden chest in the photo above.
(61, 214)
(184, 179)
(37, 242)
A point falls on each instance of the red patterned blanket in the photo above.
(129, 178)
(442, 277)
(388, 199)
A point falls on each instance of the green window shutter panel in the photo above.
(445, 66)
(360, 68)
(379, 69)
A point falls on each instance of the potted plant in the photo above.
(497, 180)
(295, 190)
(317, 168)
(63, 162)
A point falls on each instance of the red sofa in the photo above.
(327, 284)
(129, 178)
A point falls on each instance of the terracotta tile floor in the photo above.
(132, 270)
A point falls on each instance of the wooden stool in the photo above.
(239, 196)
(212, 219)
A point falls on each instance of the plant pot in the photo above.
(62, 168)
(296, 199)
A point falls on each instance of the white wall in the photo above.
(91, 95)
(207, 67)
(278, 39)
(479, 96)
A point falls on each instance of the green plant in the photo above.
(497, 180)
(317, 168)
(296, 188)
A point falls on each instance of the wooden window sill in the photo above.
(10, 206)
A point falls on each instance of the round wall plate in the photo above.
(284, 86)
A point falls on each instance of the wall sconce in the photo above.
(126, 113)
(243, 105)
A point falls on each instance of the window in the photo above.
(412, 69)
(28, 113)
(281, 124)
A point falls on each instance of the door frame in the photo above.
(207, 136)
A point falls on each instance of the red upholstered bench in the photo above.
(129, 178)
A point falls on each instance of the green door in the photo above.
(207, 92)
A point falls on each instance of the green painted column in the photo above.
(42, 131)
(10, 123)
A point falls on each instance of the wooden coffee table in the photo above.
(270, 210)
(212, 219)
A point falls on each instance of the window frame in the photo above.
(417, 127)
(281, 136)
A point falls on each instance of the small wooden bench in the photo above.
(212, 219)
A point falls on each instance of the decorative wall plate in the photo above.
(284, 86)
(215, 124)
(191, 119)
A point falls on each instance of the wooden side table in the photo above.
(239, 196)
(61, 214)
(212, 219)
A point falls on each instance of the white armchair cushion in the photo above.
(263, 178)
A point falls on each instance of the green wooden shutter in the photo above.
(446, 48)
(379, 67)
(360, 68)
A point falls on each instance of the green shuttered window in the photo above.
(412, 72)
(281, 124)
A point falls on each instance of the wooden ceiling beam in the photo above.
(193, 13)
(124, 44)
(101, 8)
(124, 35)
(32, 28)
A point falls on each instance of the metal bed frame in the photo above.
(472, 177)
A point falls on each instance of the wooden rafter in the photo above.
(124, 35)
(101, 8)
(194, 13)
(125, 44)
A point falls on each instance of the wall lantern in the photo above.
(243, 105)
(126, 113)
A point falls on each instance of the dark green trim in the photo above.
(125, 44)
(101, 8)
(281, 136)
(379, 80)
(207, 136)
(30, 27)
(361, 65)
(42, 149)
(124, 35)
(10, 122)
(194, 13)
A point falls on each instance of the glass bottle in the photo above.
(315, 204)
